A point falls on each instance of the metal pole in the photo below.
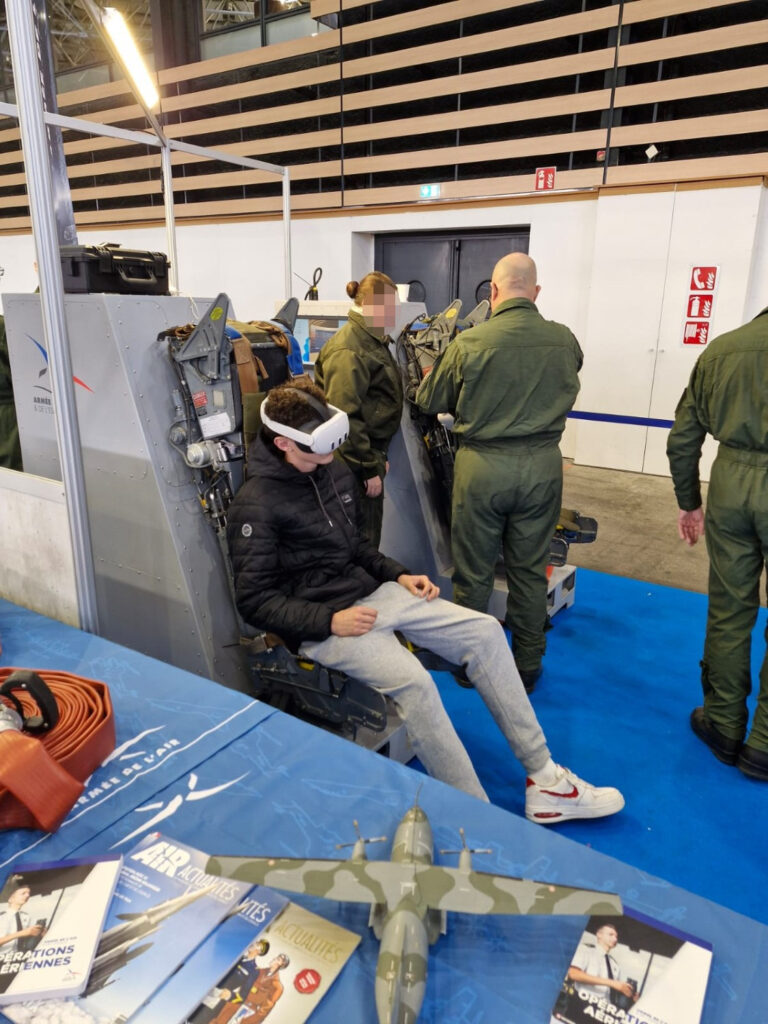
(34, 142)
(62, 197)
(170, 219)
(287, 232)
(167, 146)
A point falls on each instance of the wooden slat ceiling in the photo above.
(360, 122)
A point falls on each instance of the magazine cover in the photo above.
(238, 936)
(634, 970)
(163, 907)
(51, 916)
(285, 976)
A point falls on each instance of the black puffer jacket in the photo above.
(297, 554)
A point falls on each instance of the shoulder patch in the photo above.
(246, 529)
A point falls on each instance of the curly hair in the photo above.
(286, 406)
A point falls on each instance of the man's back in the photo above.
(726, 397)
(510, 384)
(514, 376)
(729, 386)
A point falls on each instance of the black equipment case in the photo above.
(109, 268)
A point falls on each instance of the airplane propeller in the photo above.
(465, 854)
(358, 851)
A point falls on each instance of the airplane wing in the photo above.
(478, 892)
(347, 880)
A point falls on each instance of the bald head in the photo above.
(514, 277)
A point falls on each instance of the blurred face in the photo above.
(380, 309)
(608, 936)
(19, 897)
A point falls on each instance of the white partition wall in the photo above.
(35, 547)
(626, 292)
(637, 364)
(717, 228)
(613, 265)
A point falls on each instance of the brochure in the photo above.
(634, 970)
(51, 917)
(164, 906)
(286, 978)
(236, 937)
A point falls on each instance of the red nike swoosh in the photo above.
(566, 796)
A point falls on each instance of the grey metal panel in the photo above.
(476, 259)
(414, 532)
(160, 579)
(426, 262)
(33, 395)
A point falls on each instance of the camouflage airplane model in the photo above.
(409, 897)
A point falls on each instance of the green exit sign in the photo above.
(429, 192)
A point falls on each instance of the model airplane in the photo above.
(409, 898)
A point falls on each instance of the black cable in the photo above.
(312, 295)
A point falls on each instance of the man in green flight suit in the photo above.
(726, 397)
(509, 383)
(10, 448)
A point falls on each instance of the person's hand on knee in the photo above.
(355, 621)
(419, 586)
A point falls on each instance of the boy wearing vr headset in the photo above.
(304, 570)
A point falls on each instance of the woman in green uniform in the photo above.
(358, 374)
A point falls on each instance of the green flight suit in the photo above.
(510, 383)
(358, 374)
(10, 448)
(727, 397)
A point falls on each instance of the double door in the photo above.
(443, 266)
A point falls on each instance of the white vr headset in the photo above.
(328, 435)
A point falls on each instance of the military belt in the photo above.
(507, 444)
(747, 456)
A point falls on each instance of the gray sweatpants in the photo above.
(464, 637)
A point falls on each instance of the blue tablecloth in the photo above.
(233, 776)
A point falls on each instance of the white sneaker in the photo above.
(569, 797)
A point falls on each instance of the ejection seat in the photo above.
(224, 370)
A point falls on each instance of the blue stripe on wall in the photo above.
(638, 421)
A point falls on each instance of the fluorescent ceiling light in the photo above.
(128, 55)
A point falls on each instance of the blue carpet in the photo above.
(620, 679)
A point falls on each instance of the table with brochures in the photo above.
(229, 775)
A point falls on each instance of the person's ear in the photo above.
(536, 292)
(283, 443)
